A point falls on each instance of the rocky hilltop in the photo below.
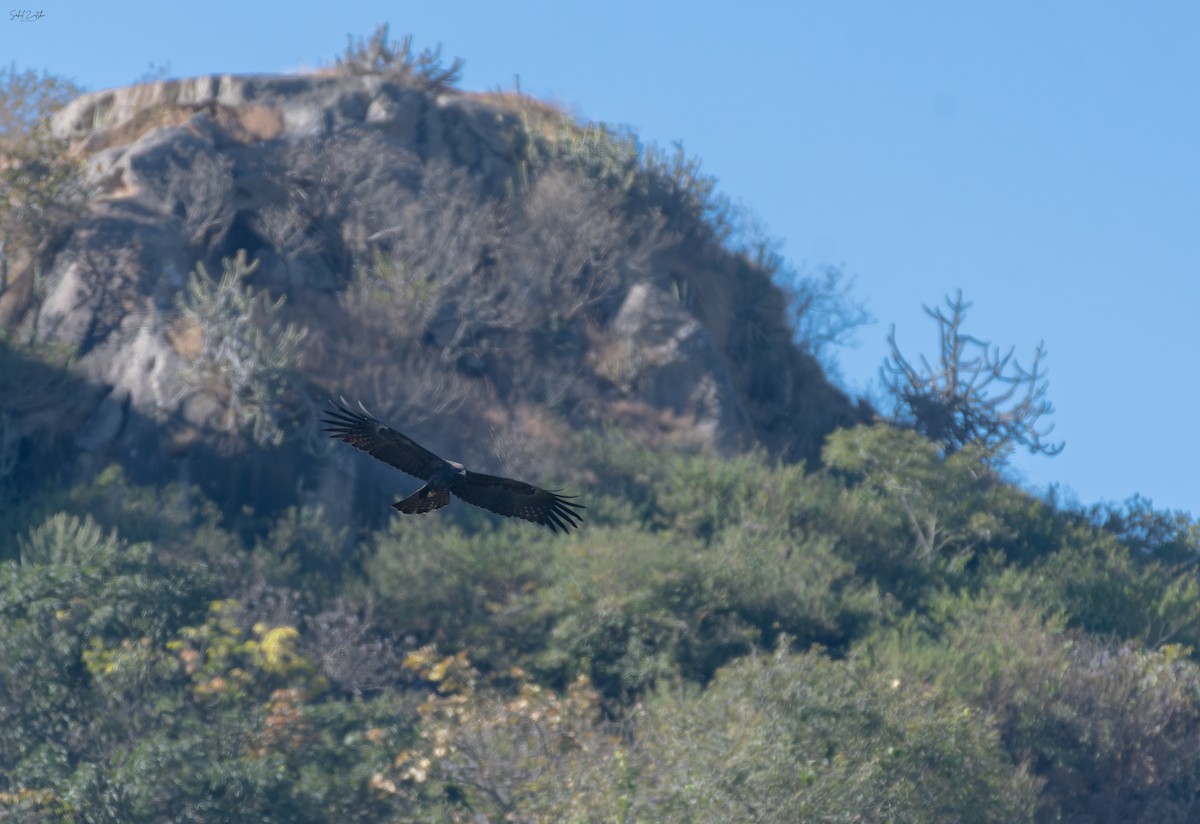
(477, 268)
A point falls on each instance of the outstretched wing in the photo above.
(515, 499)
(362, 431)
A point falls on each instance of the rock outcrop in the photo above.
(315, 176)
(675, 365)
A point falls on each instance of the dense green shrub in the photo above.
(434, 583)
(803, 738)
(622, 606)
(76, 585)
(1113, 592)
(1106, 728)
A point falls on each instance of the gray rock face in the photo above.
(111, 292)
(233, 109)
(676, 365)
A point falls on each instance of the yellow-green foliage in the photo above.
(225, 662)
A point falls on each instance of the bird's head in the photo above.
(459, 469)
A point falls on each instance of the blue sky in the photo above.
(1044, 158)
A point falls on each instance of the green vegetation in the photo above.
(42, 186)
(898, 636)
(244, 353)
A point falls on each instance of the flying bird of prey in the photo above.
(504, 496)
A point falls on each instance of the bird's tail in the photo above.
(424, 499)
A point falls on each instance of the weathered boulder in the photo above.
(675, 364)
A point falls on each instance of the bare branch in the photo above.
(396, 62)
(975, 394)
(823, 312)
(200, 189)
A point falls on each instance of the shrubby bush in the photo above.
(434, 583)
(76, 585)
(128, 694)
(777, 737)
(247, 356)
(787, 737)
(527, 753)
(397, 62)
(1106, 728)
(624, 606)
(1168, 537)
(919, 517)
(1113, 592)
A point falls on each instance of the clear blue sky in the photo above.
(1043, 157)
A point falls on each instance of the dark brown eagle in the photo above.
(504, 496)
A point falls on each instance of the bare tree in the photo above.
(573, 244)
(823, 311)
(200, 190)
(436, 282)
(974, 394)
(340, 190)
(349, 650)
(27, 99)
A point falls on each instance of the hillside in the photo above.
(779, 607)
(478, 268)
